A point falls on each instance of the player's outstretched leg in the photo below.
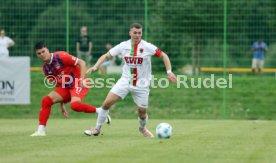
(103, 114)
(86, 108)
(43, 116)
(102, 117)
(143, 119)
(79, 106)
(45, 111)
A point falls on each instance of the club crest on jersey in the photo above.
(133, 60)
(141, 50)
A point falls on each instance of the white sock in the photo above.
(41, 128)
(143, 122)
(102, 114)
(97, 110)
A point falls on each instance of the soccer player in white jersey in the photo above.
(136, 76)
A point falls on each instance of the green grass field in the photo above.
(227, 141)
(248, 137)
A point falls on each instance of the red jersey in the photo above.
(61, 64)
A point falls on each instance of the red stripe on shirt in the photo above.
(135, 73)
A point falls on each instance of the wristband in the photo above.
(169, 71)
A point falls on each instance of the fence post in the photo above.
(67, 26)
(146, 20)
(225, 58)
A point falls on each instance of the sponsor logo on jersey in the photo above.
(133, 60)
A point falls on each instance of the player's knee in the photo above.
(46, 102)
(76, 106)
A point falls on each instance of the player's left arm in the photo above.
(168, 65)
(100, 61)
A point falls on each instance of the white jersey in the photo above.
(4, 42)
(137, 61)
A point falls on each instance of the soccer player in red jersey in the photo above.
(68, 73)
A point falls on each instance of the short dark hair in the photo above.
(136, 25)
(40, 45)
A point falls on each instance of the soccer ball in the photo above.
(164, 131)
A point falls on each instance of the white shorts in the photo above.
(257, 63)
(139, 95)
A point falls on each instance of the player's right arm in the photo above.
(99, 62)
(112, 52)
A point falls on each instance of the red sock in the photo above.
(82, 107)
(45, 110)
